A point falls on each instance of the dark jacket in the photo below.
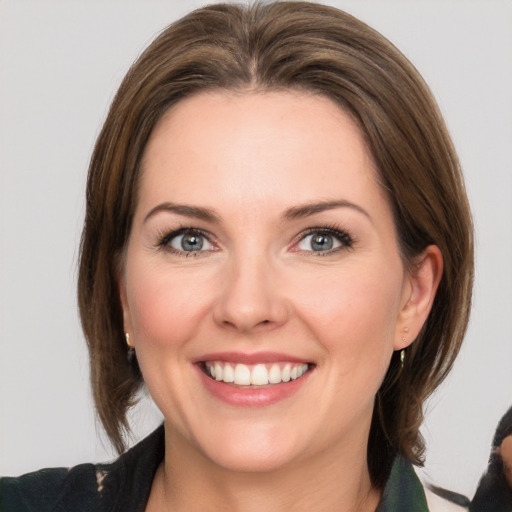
(124, 485)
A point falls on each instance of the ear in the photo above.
(418, 296)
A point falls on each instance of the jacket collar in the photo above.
(403, 491)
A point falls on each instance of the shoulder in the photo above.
(50, 489)
(123, 485)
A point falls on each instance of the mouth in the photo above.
(255, 375)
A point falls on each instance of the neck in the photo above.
(331, 481)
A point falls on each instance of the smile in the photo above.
(261, 374)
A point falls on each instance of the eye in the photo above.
(324, 241)
(186, 241)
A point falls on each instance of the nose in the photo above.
(251, 298)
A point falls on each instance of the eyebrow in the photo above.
(185, 210)
(297, 212)
(293, 213)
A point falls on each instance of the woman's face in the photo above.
(262, 247)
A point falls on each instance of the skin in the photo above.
(258, 286)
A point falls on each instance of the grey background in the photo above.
(60, 63)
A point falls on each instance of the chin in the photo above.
(251, 461)
(252, 450)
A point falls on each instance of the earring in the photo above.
(130, 356)
(402, 358)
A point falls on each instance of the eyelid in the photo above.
(165, 237)
(343, 236)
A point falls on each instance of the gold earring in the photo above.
(402, 358)
(130, 356)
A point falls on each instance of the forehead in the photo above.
(255, 147)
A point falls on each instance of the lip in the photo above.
(249, 396)
(255, 358)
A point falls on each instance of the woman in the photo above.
(278, 245)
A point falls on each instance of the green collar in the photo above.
(403, 491)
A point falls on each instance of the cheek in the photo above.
(353, 314)
(164, 306)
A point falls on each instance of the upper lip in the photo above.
(250, 359)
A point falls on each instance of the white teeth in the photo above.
(255, 375)
(242, 375)
(229, 374)
(274, 376)
(286, 373)
(259, 375)
(218, 371)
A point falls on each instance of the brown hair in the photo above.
(300, 46)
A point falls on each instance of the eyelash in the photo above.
(166, 237)
(346, 240)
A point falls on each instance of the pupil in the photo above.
(321, 242)
(191, 243)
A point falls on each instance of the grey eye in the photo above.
(190, 242)
(319, 242)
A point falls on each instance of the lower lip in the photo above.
(261, 396)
